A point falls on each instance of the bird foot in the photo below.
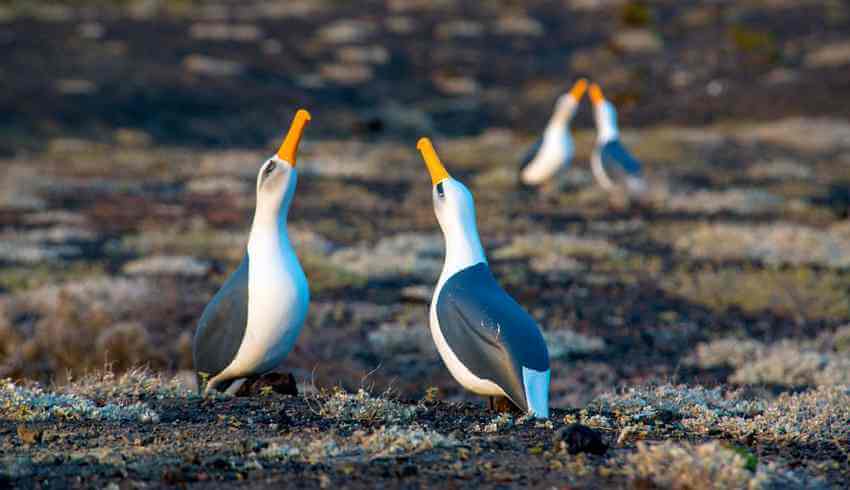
(280, 383)
(501, 404)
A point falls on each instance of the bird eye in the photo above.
(270, 167)
(440, 191)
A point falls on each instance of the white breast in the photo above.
(553, 152)
(278, 297)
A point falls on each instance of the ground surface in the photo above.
(130, 139)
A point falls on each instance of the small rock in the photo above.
(581, 439)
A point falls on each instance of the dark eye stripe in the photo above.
(269, 168)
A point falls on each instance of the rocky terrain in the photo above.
(703, 336)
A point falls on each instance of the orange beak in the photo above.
(596, 94)
(432, 161)
(289, 148)
(578, 89)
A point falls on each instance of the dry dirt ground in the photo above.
(703, 334)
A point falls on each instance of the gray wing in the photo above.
(618, 162)
(489, 332)
(223, 323)
(532, 152)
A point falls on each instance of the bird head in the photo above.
(277, 177)
(568, 102)
(453, 202)
(605, 115)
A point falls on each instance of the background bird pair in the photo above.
(613, 167)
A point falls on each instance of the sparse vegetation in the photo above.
(33, 403)
(363, 407)
(681, 466)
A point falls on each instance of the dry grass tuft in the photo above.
(799, 293)
(786, 363)
(363, 407)
(77, 327)
(394, 440)
(819, 415)
(681, 466)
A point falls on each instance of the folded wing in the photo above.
(489, 332)
(223, 323)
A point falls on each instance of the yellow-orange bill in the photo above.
(289, 148)
(578, 89)
(595, 93)
(432, 161)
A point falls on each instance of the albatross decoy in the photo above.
(555, 149)
(489, 343)
(252, 322)
(614, 168)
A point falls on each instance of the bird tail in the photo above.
(536, 385)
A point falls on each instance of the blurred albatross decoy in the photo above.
(613, 166)
(554, 150)
(253, 321)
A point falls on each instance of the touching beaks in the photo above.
(595, 94)
(432, 161)
(289, 148)
(578, 89)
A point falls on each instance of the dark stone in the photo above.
(581, 439)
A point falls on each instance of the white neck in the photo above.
(269, 227)
(564, 111)
(268, 233)
(456, 216)
(463, 250)
(606, 122)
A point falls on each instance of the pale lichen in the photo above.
(32, 403)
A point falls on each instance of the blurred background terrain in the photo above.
(131, 133)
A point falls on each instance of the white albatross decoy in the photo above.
(554, 150)
(614, 168)
(488, 342)
(253, 321)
